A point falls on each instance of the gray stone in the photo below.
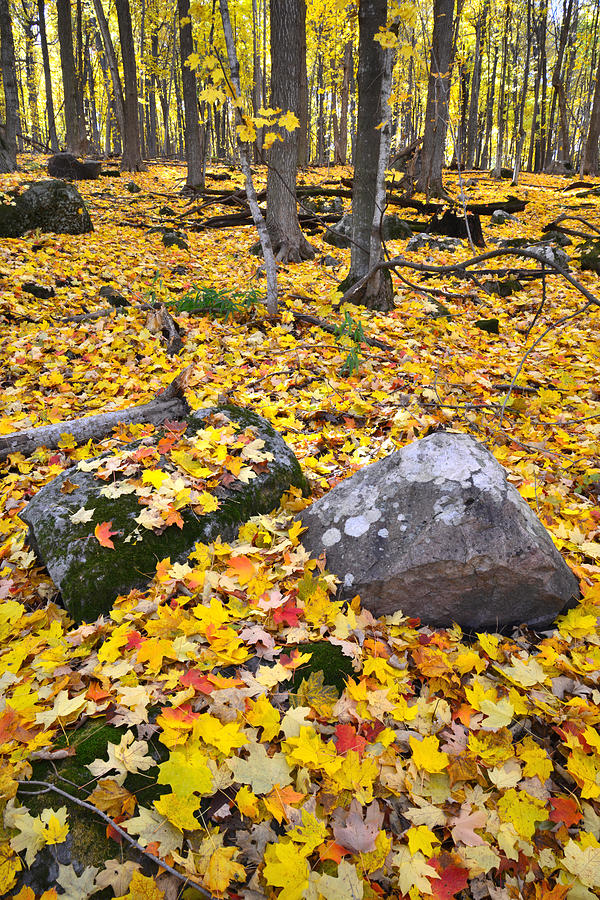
(48, 205)
(90, 576)
(419, 241)
(65, 165)
(437, 531)
(500, 217)
(339, 235)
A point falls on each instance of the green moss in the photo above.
(326, 658)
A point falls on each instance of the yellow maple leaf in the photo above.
(142, 887)
(270, 138)
(427, 755)
(584, 861)
(10, 866)
(222, 869)
(224, 737)
(522, 810)
(289, 121)
(286, 866)
(261, 713)
(535, 758)
(420, 837)
(186, 771)
(179, 810)
(247, 802)
(56, 828)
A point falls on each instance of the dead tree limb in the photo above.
(170, 404)
(400, 262)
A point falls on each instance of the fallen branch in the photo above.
(401, 262)
(169, 404)
(333, 329)
(45, 786)
(159, 321)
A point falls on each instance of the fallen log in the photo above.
(169, 404)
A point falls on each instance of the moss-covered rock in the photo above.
(589, 256)
(90, 576)
(326, 658)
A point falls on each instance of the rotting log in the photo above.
(168, 405)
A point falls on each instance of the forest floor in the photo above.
(501, 797)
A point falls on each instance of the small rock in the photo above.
(492, 326)
(340, 234)
(38, 290)
(65, 165)
(500, 217)
(132, 187)
(419, 241)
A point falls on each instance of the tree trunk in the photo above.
(257, 85)
(8, 133)
(132, 158)
(30, 74)
(193, 144)
(342, 145)
(429, 181)
(501, 116)
(476, 86)
(559, 96)
(289, 244)
(151, 88)
(52, 136)
(263, 233)
(590, 157)
(367, 199)
(520, 119)
(110, 56)
(75, 139)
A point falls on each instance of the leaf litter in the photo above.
(449, 765)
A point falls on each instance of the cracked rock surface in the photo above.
(436, 530)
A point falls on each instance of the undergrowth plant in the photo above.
(353, 330)
(222, 303)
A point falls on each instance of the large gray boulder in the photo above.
(437, 531)
(89, 575)
(48, 205)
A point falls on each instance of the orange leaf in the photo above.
(241, 568)
(103, 535)
(332, 851)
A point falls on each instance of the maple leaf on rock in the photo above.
(76, 886)
(186, 771)
(128, 755)
(103, 535)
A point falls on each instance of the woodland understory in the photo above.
(441, 764)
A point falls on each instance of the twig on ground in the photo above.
(45, 787)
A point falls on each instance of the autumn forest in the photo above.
(300, 449)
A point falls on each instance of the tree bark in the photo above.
(132, 158)
(111, 60)
(8, 134)
(473, 117)
(342, 143)
(501, 114)
(194, 154)
(429, 181)
(75, 139)
(289, 244)
(368, 193)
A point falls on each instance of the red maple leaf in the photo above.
(289, 614)
(198, 680)
(452, 880)
(346, 739)
(565, 810)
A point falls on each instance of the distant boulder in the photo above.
(65, 165)
(436, 531)
(48, 205)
